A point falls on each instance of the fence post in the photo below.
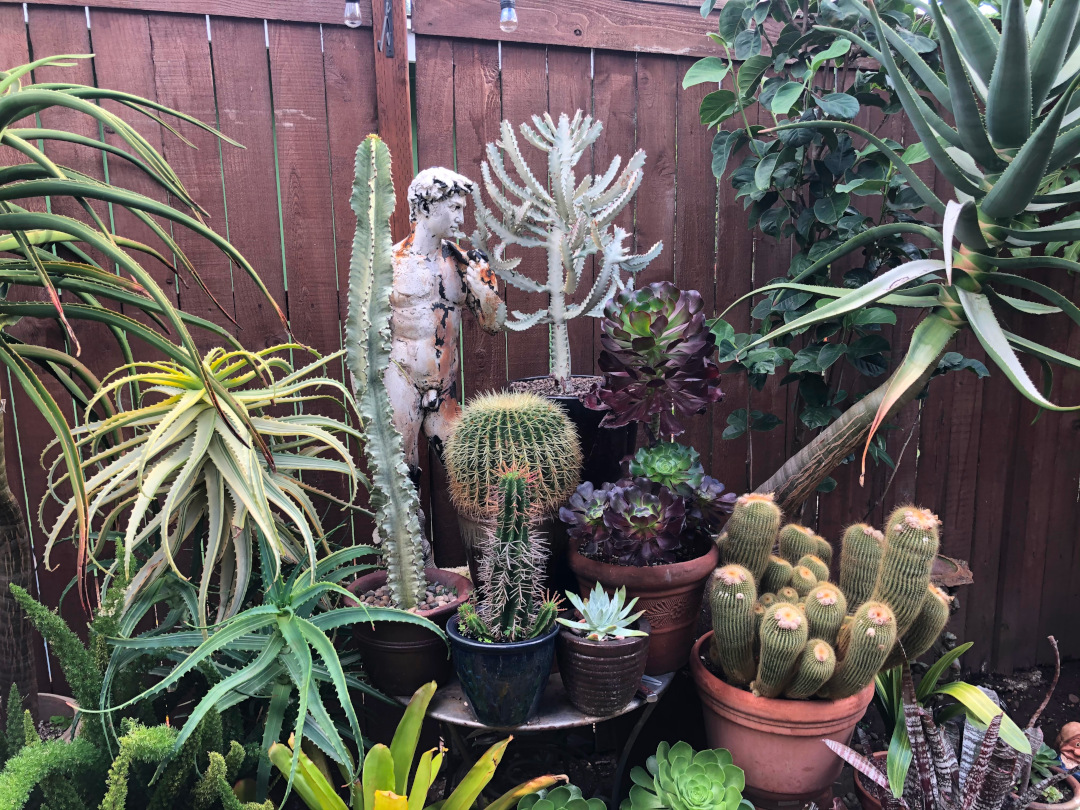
(395, 105)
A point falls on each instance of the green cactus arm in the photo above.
(367, 332)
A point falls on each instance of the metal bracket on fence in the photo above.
(386, 40)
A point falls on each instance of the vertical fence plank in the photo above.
(391, 77)
(657, 76)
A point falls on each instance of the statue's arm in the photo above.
(482, 296)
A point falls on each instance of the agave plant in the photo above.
(182, 461)
(656, 359)
(679, 778)
(1011, 94)
(603, 616)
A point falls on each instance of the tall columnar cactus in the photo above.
(802, 580)
(750, 533)
(825, 608)
(512, 604)
(924, 631)
(571, 219)
(367, 339)
(860, 558)
(816, 565)
(777, 574)
(904, 576)
(796, 542)
(863, 647)
(824, 551)
(815, 666)
(733, 600)
(500, 430)
(783, 636)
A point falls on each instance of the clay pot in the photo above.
(502, 682)
(670, 595)
(778, 743)
(400, 658)
(1070, 804)
(601, 677)
(51, 705)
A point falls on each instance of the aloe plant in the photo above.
(1007, 173)
(43, 251)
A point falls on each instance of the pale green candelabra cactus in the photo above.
(571, 219)
(367, 338)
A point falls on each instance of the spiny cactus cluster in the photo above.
(512, 605)
(779, 625)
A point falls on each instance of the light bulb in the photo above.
(508, 20)
(353, 18)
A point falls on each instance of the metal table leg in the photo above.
(620, 771)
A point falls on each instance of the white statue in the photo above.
(433, 281)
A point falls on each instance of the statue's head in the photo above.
(437, 199)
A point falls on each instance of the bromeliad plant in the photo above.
(570, 219)
(179, 466)
(1011, 93)
(603, 616)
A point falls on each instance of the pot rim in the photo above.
(1071, 804)
(798, 718)
(686, 572)
(560, 397)
(498, 647)
(463, 585)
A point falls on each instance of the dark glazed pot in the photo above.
(400, 658)
(601, 676)
(670, 595)
(503, 682)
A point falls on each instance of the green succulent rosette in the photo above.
(563, 797)
(671, 464)
(678, 778)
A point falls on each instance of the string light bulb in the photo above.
(508, 19)
(353, 17)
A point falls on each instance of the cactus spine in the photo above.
(825, 610)
(733, 599)
(920, 637)
(817, 566)
(814, 668)
(788, 594)
(796, 542)
(751, 532)
(367, 333)
(866, 644)
(860, 558)
(777, 574)
(500, 430)
(904, 575)
(783, 636)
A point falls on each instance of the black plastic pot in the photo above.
(502, 682)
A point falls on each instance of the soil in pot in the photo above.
(777, 742)
(502, 682)
(57, 717)
(1070, 789)
(400, 658)
(670, 595)
(601, 677)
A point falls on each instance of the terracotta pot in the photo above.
(601, 676)
(400, 658)
(51, 705)
(866, 799)
(670, 595)
(778, 743)
(1070, 804)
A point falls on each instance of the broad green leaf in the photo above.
(929, 682)
(830, 209)
(838, 105)
(378, 773)
(984, 710)
(476, 779)
(748, 43)
(899, 759)
(509, 799)
(731, 20)
(706, 9)
(711, 69)
(308, 780)
(724, 143)
(717, 107)
(763, 171)
(403, 746)
(750, 74)
(786, 97)
(838, 48)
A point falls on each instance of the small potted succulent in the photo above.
(680, 778)
(503, 642)
(651, 532)
(563, 797)
(602, 654)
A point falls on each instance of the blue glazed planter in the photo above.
(503, 682)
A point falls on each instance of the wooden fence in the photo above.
(299, 90)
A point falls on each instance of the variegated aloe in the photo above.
(1012, 95)
(571, 219)
(177, 467)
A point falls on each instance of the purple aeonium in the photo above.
(645, 523)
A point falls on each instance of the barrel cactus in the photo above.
(679, 778)
(499, 430)
(864, 645)
(783, 635)
(813, 669)
(777, 574)
(796, 542)
(904, 575)
(733, 600)
(750, 533)
(860, 558)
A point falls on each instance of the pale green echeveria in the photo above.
(603, 616)
(678, 778)
(563, 797)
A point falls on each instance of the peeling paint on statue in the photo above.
(433, 280)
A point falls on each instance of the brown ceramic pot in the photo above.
(778, 743)
(670, 595)
(51, 705)
(400, 658)
(601, 677)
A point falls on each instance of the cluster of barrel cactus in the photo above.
(782, 628)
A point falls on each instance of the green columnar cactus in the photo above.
(814, 668)
(767, 599)
(783, 636)
(863, 648)
(367, 341)
(825, 609)
(733, 600)
(788, 594)
(796, 542)
(860, 558)
(802, 580)
(751, 532)
(512, 604)
(777, 574)
(759, 614)
(904, 575)
(823, 553)
(816, 565)
(500, 430)
(924, 631)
